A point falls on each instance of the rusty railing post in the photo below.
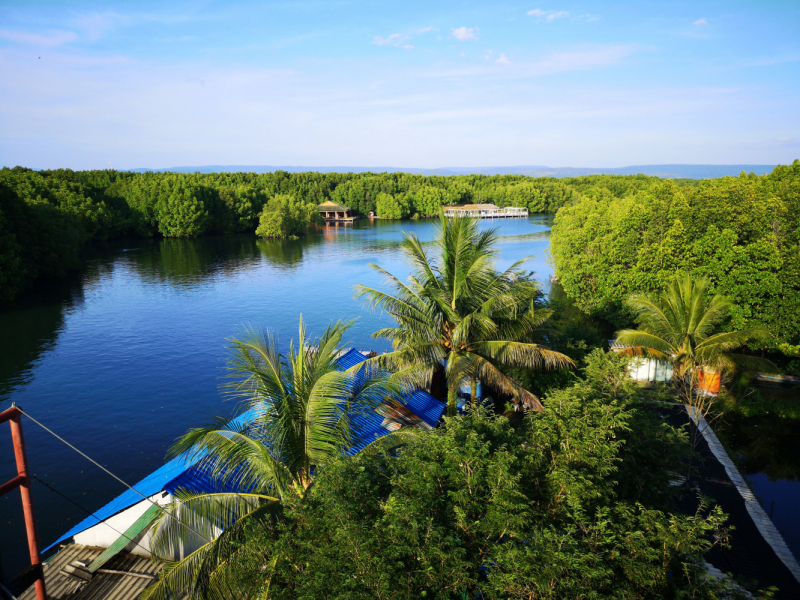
(14, 417)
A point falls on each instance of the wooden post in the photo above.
(14, 416)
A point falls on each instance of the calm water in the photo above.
(768, 450)
(127, 354)
(124, 356)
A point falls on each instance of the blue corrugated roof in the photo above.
(155, 482)
(428, 408)
(180, 472)
(152, 484)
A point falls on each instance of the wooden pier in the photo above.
(336, 213)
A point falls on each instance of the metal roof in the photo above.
(420, 402)
(103, 586)
(154, 483)
(150, 485)
(182, 473)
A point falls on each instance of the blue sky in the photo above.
(406, 84)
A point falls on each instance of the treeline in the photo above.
(742, 233)
(47, 217)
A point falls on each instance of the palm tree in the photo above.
(460, 314)
(681, 325)
(297, 419)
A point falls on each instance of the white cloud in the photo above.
(80, 115)
(463, 54)
(464, 34)
(548, 15)
(700, 22)
(428, 29)
(503, 60)
(54, 38)
(396, 39)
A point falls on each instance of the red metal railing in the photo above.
(14, 416)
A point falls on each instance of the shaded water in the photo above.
(768, 453)
(124, 356)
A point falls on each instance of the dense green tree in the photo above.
(240, 206)
(285, 216)
(183, 211)
(391, 207)
(480, 509)
(461, 315)
(427, 200)
(39, 239)
(740, 233)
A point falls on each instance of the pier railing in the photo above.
(487, 213)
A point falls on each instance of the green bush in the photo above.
(183, 211)
(284, 217)
(392, 207)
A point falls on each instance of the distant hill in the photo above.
(665, 171)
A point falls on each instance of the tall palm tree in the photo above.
(297, 419)
(458, 313)
(681, 325)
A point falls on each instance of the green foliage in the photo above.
(461, 313)
(391, 207)
(740, 233)
(294, 426)
(38, 238)
(427, 200)
(285, 216)
(478, 507)
(239, 208)
(183, 211)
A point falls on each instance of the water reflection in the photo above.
(185, 263)
(765, 444)
(767, 449)
(126, 354)
(30, 326)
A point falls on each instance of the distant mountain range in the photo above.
(665, 171)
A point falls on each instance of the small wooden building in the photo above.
(331, 211)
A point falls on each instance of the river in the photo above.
(123, 356)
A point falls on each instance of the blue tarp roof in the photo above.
(179, 472)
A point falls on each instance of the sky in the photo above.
(90, 85)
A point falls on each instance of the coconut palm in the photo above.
(458, 313)
(681, 325)
(297, 417)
